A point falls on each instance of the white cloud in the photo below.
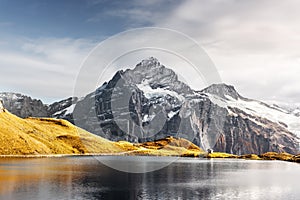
(254, 44)
(45, 68)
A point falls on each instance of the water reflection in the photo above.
(87, 178)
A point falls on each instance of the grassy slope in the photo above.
(36, 136)
(48, 136)
(168, 146)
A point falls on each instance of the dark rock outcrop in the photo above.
(1, 107)
(63, 109)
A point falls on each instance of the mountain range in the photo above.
(149, 102)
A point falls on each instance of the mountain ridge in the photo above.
(222, 90)
(216, 117)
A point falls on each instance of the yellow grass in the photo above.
(46, 136)
(265, 156)
(168, 146)
(277, 156)
(250, 157)
(35, 136)
(221, 155)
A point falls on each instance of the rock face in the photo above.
(63, 109)
(23, 106)
(149, 102)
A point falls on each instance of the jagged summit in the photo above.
(150, 72)
(22, 105)
(10, 95)
(150, 62)
(25, 106)
(222, 90)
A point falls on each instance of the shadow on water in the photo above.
(87, 178)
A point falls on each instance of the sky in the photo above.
(255, 45)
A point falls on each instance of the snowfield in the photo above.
(257, 108)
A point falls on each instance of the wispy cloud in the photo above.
(254, 44)
(44, 67)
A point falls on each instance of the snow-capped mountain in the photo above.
(25, 106)
(150, 102)
(254, 108)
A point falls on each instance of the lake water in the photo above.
(187, 178)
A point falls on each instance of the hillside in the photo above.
(169, 146)
(47, 136)
(44, 136)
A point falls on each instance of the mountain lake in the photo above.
(85, 177)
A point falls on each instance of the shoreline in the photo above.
(56, 155)
(216, 155)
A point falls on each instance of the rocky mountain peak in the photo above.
(152, 73)
(149, 69)
(22, 105)
(150, 62)
(222, 90)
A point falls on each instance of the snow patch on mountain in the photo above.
(172, 113)
(68, 110)
(148, 118)
(149, 92)
(9, 95)
(257, 108)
